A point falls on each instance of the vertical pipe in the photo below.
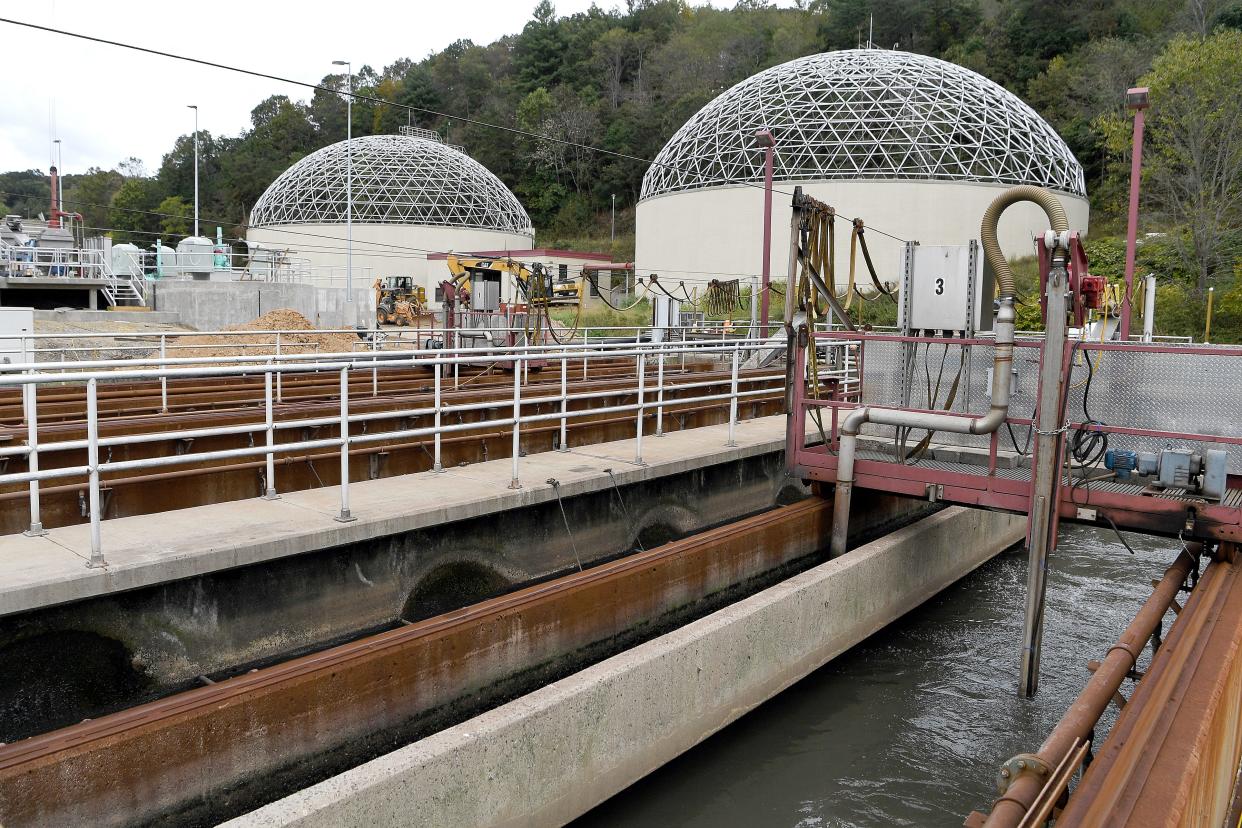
(436, 464)
(92, 465)
(733, 397)
(269, 423)
(1136, 174)
(375, 364)
(29, 392)
(515, 482)
(563, 444)
(1149, 308)
(660, 395)
(638, 437)
(768, 151)
(1207, 325)
(586, 337)
(1045, 473)
(344, 516)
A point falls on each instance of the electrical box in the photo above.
(15, 325)
(665, 314)
(944, 288)
(485, 290)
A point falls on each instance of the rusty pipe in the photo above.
(1081, 718)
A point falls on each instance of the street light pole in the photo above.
(1136, 99)
(60, 181)
(195, 108)
(763, 138)
(349, 178)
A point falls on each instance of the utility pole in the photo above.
(195, 108)
(349, 178)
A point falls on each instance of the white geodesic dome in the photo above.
(915, 146)
(397, 179)
(867, 113)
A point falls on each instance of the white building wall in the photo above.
(697, 235)
(382, 249)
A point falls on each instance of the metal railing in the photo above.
(652, 384)
(53, 263)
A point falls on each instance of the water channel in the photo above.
(909, 727)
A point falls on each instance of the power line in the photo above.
(381, 101)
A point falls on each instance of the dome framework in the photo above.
(866, 114)
(397, 179)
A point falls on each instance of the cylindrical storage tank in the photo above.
(162, 263)
(412, 196)
(914, 146)
(126, 260)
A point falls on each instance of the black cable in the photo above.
(383, 102)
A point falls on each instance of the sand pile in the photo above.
(282, 319)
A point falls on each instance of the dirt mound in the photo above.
(264, 342)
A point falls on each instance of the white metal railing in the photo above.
(647, 398)
(53, 263)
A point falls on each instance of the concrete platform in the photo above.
(149, 317)
(146, 550)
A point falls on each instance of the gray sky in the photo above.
(107, 104)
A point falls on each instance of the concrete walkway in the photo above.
(151, 549)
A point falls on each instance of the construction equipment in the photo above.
(481, 278)
(398, 301)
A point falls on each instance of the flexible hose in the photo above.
(991, 217)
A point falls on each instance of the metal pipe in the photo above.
(638, 437)
(436, 466)
(563, 442)
(1084, 713)
(737, 350)
(1149, 307)
(515, 482)
(660, 397)
(1001, 364)
(1136, 99)
(270, 429)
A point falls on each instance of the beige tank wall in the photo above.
(695, 235)
(384, 249)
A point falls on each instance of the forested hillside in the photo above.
(623, 80)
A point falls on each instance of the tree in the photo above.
(1193, 156)
(538, 49)
(175, 214)
(91, 195)
(134, 214)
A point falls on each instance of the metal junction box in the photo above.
(16, 324)
(944, 288)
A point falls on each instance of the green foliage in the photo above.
(175, 217)
(26, 192)
(133, 214)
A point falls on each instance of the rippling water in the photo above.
(909, 727)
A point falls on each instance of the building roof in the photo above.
(397, 179)
(532, 253)
(866, 114)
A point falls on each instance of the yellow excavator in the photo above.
(534, 283)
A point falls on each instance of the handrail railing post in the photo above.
(375, 363)
(515, 482)
(638, 437)
(436, 465)
(280, 388)
(563, 443)
(270, 428)
(586, 336)
(163, 376)
(92, 465)
(659, 432)
(32, 462)
(733, 396)
(344, 516)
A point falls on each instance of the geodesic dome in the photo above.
(397, 179)
(867, 114)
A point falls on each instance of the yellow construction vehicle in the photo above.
(481, 278)
(398, 301)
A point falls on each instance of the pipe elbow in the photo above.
(853, 422)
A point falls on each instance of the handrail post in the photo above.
(344, 516)
(92, 465)
(564, 441)
(733, 397)
(270, 429)
(163, 375)
(32, 458)
(638, 437)
(659, 432)
(586, 336)
(436, 466)
(515, 482)
(280, 388)
(375, 363)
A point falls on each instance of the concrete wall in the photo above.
(720, 230)
(383, 249)
(550, 756)
(212, 306)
